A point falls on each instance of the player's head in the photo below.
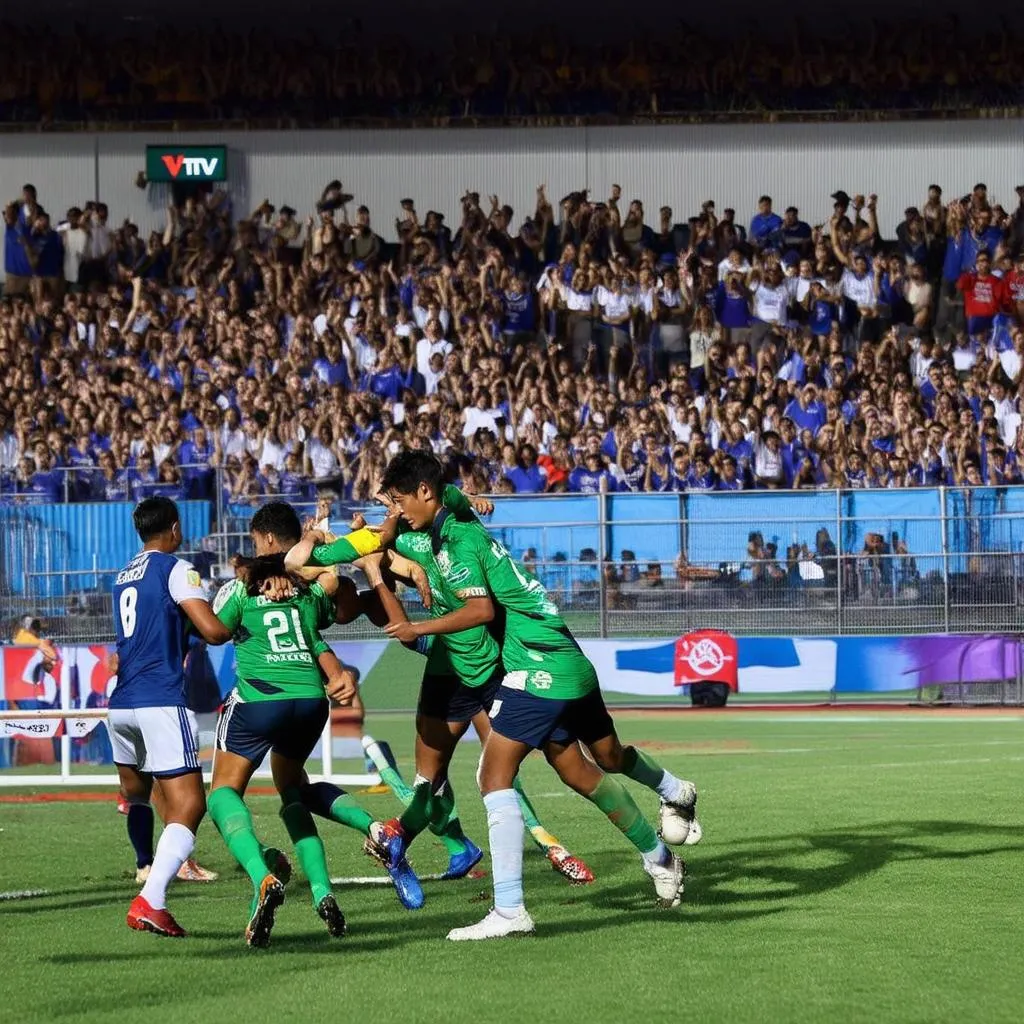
(275, 528)
(414, 481)
(158, 524)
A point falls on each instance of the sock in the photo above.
(540, 835)
(330, 801)
(140, 832)
(309, 847)
(394, 781)
(637, 766)
(234, 822)
(445, 823)
(416, 817)
(621, 810)
(505, 832)
(174, 848)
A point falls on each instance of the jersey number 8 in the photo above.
(126, 606)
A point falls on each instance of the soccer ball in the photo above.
(672, 826)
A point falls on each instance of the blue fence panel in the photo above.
(986, 519)
(551, 526)
(889, 512)
(646, 524)
(718, 526)
(82, 537)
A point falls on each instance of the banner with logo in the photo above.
(838, 664)
(186, 163)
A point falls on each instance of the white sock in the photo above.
(659, 855)
(505, 832)
(671, 789)
(175, 847)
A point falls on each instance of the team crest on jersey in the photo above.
(224, 594)
(541, 680)
(193, 578)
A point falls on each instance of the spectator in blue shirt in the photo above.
(17, 268)
(45, 483)
(765, 224)
(806, 411)
(592, 477)
(794, 234)
(527, 477)
(197, 455)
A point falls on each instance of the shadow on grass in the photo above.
(737, 881)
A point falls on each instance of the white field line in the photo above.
(23, 894)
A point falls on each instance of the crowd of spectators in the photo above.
(200, 72)
(586, 346)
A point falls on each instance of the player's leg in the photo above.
(296, 727)
(572, 868)
(678, 809)
(191, 870)
(586, 719)
(463, 853)
(499, 764)
(616, 803)
(326, 800)
(169, 737)
(240, 750)
(136, 790)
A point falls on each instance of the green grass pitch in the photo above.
(856, 866)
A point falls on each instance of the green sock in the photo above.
(309, 847)
(636, 765)
(394, 781)
(332, 802)
(538, 833)
(445, 822)
(620, 808)
(234, 822)
(417, 816)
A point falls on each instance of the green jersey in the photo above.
(472, 656)
(276, 643)
(540, 655)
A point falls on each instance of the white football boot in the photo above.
(494, 926)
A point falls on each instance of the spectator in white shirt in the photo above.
(734, 263)
(432, 343)
(76, 241)
(769, 302)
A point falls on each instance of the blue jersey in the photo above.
(150, 630)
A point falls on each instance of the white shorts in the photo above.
(159, 741)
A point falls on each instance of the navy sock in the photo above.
(140, 832)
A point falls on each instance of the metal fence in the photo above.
(661, 565)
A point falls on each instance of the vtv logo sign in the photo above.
(194, 166)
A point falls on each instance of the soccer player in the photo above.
(153, 735)
(548, 700)
(279, 706)
(462, 674)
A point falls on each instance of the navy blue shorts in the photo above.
(450, 700)
(290, 728)
(518, 715)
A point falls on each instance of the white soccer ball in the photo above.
(672, 826)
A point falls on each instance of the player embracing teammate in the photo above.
(548, 699)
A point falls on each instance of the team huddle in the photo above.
(498, 656)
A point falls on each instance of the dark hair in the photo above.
(407, 470)
(153, 516)
(256, 571)
(278, 519)
(765, 199)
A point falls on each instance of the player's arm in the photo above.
(462, 506)
(187, 593)
(341, 682)
(373, 568)
(312, 550)
(469, 582)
